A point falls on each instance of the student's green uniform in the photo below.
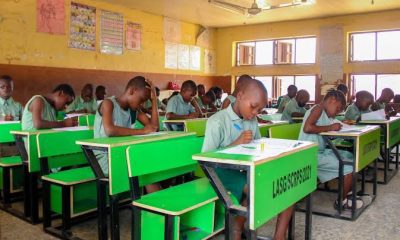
(177, 106)
(148, 104)
(79, 104)
(381, 105)
(10, 107)
(201, 104)
(353, 112)
(291, 107)
(221, 132)
(218, 103)
(282, 104)
(48, 113)
(121, 118)
(328, 164)
(231, 98)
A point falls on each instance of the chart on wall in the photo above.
(195, 57)
(331, 52)
(171, 55)
(183, 56)
(133, 36)
(50, 16)
(82, 32)
(172, 30)
(209, 61)
(111, 33)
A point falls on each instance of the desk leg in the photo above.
(27, 185)
(397, 156)
(229, 223)
(375, 183)
(308, 225)
(354, 192)
(114, 216)
(291, 230)
(34, 197)
(6, 187)
(102, 209)
(386, 166)
(363, 181)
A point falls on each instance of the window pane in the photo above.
(364, 83)
(285, 51)
(363, 46)
(307, 83)
(388, 81)
(245, 53)
(305, 50)
(285, 82)
(264, 52)
(267, 81)
(388, 45)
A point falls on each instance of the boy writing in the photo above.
(295, 107)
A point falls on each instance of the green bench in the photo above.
(11, 172)
(187, 211)
(288, 131)
(69, 186)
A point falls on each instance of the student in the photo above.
(201, 90)
(231, 99)
(85, 103)
(113, 117)
(291, 93)
(10, 110)
(40, 111)
(396, 102)
(237, 124)
(383, 102)
(100, 93)
(205, 102)
(363, 101)
(218, 94)
(320, 119)
(343, 88)
(147, 105)
(295, 107)
(182, 105)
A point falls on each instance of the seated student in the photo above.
(201, 90)
(295, 107)
(147, 105)
(40, 111)
(100, 93)
(182, 106)
(113, 117)
(205, 102)
(320, 119)
(231, 99)
(85, 103)
(291, 93)
(237, 124)
(383, 102)
(396, 102)
(10, 110)
(344, 89)
(218, 94)
(165, 100)
(363, 101)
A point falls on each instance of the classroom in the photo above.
(199, 119)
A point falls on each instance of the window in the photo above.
(363, 83)
(283, 83)
(374, 83)
(279, 51)
(267, 81)
(374, 46)
(307, 83)
(388, 81)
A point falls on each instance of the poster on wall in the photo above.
(183, 56)
(209, 61)
(133, 36)
(50, 16)
(195, 57)
(82, 32)
(171, 55)
(111, 33)
(172, 30)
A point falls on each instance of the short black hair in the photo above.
(200, 85)
(364, 95)
(343, 88)
(396, 98)
(157, 90)
(338, 95)
(291, 87)
(137, 82)
(211, 96)
(100, 88)
(88, 86)
(189, 84)
(217, 90)
(66, 89)
(6, 78)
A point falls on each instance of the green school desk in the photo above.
(117, 180)
(5, 128)
(197, 125)
(86, 120)
(28, 148)
(264, 127)
(267, 181)
(366, 144)
(391, 139)
(271, 117)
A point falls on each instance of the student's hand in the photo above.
(149, 128)
(152, 89)
(71, 122)
(349, 121)
(335, 127)
(193, 115)
(8, 118)
(245, 137)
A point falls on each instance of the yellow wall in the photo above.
(20, 43)
(226, 38)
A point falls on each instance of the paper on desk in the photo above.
(9, 122)
(347, 127)
(71, 115)
(375, 115)
(79, 128)
(151, 134)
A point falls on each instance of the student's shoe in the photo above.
(347, 204)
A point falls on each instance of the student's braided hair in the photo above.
(66, 89)
(211, 96)
(337, 94)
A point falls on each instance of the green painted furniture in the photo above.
(390, 130)
(274, 183)
(366, 150)
(117, 181)
(86, 120)
(264, 127)
(289, 131)
(69, 187)
(197, 125)
(185, 211)
(271, 117)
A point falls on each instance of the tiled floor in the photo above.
(380, 221)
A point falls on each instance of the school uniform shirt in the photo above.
(79, 104)
(381, 105)
(201, 104)
(10, 107)
(231, 98)
(177, 106)
(291, 107)
(223, 128)
(282, 104)
(48, 113)
(121, 118)
(353, 112)
(148, 104)
(328, 164)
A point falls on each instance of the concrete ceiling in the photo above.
(201, 12)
